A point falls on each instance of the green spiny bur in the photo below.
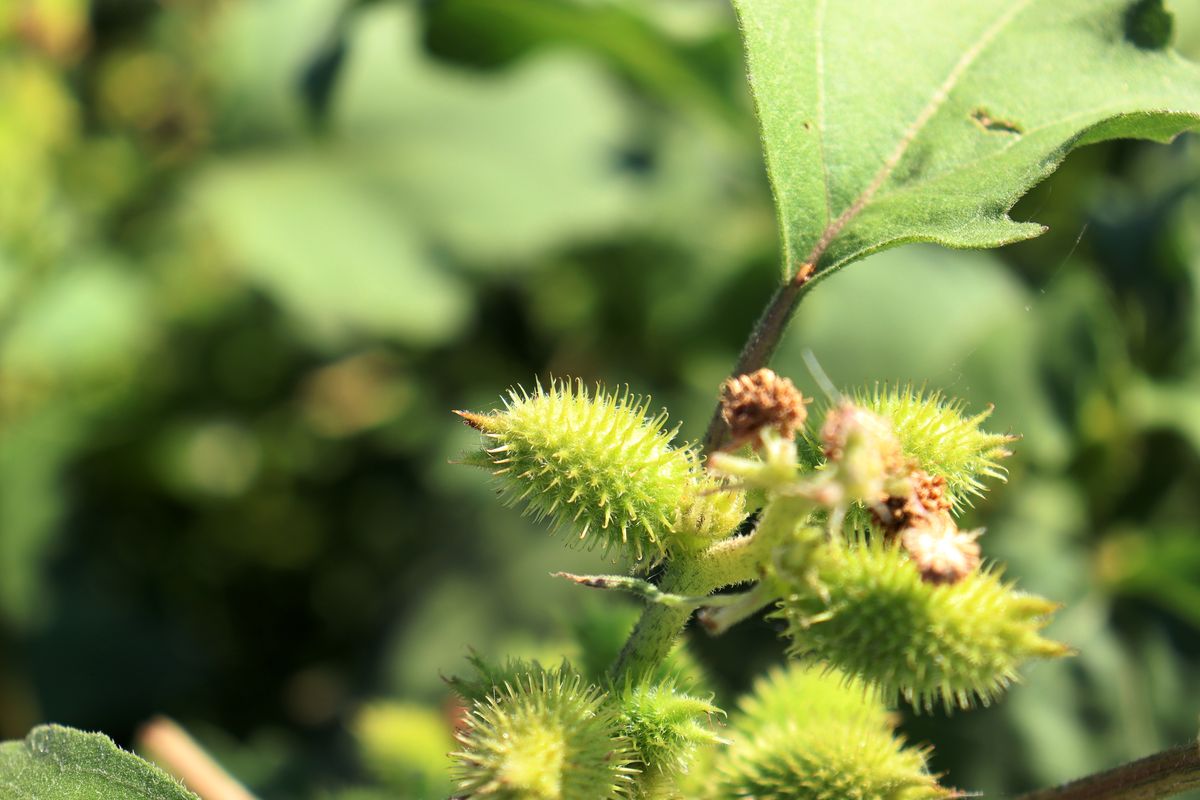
(665, 726)
(835, 761)
(956, 643)
(489, 677)
(603, 467)
(806, 733)
(935, 432)
(547, 735)
(799, 690)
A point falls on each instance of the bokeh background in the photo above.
(252, 252)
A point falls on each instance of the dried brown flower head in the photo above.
(943, 554)
(927, 497)
(758, 400)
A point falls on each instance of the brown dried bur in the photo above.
(921, 518)
(928, 496)
(758, 400)
(943, 554)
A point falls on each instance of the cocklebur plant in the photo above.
(542, 735)
(842, 521)
(872, 607)
(882, 123)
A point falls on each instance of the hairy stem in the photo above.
(761, 344)
(728, 562)
(658, 626)
(1164, 774)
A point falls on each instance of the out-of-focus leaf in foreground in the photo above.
(892, 123)
(66, 764)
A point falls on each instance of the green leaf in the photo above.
(316, 239)
(887, 123)
(66, 764)
(493, 167)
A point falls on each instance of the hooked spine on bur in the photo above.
(665, 726)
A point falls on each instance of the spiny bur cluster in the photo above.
(855, 544)
(602, 466)
(632, 741)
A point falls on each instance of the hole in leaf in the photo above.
(1149, 25)
(984, 119)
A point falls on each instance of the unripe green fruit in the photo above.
(956, 643)
(935, 432)
(603, 467)
(665, 727)
(487, 678)
(548, 736)
(797, 690)
(813, 734)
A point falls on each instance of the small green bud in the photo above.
(777, 468)
(665, 726)
(547, 736)
(814, 734)
(935, 432)
(878, 619)
(602, 466)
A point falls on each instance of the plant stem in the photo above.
(656, 629)
(761, 344)
(658, 626)
(725, 563)
(1164, 774)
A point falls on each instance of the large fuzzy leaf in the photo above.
(65, 764)
(886, 123)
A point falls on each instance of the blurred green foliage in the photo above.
(253, 251)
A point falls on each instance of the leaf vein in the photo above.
(935, 102)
